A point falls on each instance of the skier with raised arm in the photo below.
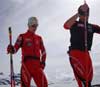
(81, 32)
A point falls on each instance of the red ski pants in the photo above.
(82, 67)
(31, 69)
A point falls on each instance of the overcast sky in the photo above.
(51, 15)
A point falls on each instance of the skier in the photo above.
(33, 55)
(81, 41)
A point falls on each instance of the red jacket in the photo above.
(32, 45)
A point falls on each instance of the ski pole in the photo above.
(85, 34)
(11, 61)
(84, 1)
(86, 52)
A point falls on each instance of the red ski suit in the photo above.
(79, 57)
(33, 57)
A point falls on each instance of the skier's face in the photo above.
(33, 28)
(83, 18)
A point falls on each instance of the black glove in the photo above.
(10, 49)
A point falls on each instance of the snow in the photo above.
(55, 79)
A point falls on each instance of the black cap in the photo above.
(83, 13)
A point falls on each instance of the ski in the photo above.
(12, 81)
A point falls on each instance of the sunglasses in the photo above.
(35, 25)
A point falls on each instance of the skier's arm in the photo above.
(70, 21)
(96, 29)
(14, 48)
(18, 43)
(43, 53)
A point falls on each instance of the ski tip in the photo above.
(9, 29)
